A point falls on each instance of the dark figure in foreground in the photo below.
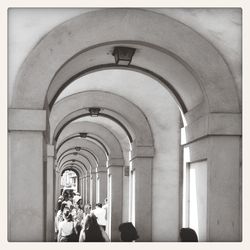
(128, 232)
(92, 231)
(188, 235)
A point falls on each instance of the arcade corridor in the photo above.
(137, 117)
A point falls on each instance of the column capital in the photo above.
(115, 162)
(212, 124)
(114, 169)
(142, 152)
(26, 120)
(101, 170)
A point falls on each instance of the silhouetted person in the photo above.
(128, 232)
(92, 232)
(188, 235)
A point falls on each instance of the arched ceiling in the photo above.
(221, 26)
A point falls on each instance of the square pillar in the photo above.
(141, 191)
(57, 184)
(215, 141)
(26, 175)
(84, 190)
(87, 189)
(115, 198)
(101, 177)
(224, 188)
(93, 189)
(81, 187)
(50, 194)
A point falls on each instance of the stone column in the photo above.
(26, 174)
(87, 189)
(81, 187)
(215, 139)
(84, 200)
(57, 184)
(115, 192)
(93, 189)
(50, 209)
(102, 184)
(224, 188)
(141, 194)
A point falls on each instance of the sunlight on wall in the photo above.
(193, 206)
(186, 159)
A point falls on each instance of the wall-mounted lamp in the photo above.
(94, 112)
(78, 148)
(123, 55)
(82, 135)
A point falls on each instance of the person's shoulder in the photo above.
(61, 223)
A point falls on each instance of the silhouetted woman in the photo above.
(92, 232)
(128, 232)
(188, 235)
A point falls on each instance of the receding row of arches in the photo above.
(116, 146)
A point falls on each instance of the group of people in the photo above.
(74, 224)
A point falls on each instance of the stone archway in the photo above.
(210, 103)
(142, 152)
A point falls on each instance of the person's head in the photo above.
(92, 229)
(99, 205)
(78, 203)
(188, 235)
(87, 208)
(64, 204)
(65, 196)
(91, 222)
(67, 215)
(128, 232)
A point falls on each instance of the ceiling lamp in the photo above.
(123, 55)
(94, 112)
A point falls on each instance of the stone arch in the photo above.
(210, 89)
(77, 105)
(100, 131)
(77, 171)
(87, 152)
(72, 160)
(93, 161)
(166, 31)
(90, 137)
(75, 165)
(90, 146)
(78, 156)
(81, 172)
